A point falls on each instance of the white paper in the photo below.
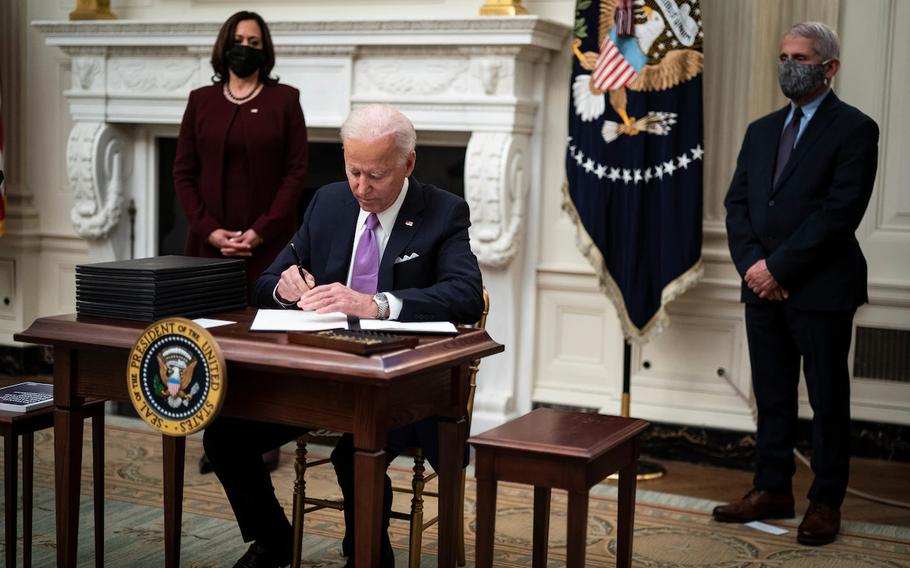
(207, 322)
(764, 527)
(297, 320)
(408, 327)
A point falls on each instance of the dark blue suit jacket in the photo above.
(804, 226)
(443, 283)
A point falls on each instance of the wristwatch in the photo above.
(382, 306)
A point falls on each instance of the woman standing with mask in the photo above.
(241, 155)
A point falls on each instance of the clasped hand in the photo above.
(323, 299)
(235, 243)
(760, 280)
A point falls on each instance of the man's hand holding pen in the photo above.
(295, 280)
(298, 286)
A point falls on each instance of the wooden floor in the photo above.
(890, 480)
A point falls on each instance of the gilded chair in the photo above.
(304, 504)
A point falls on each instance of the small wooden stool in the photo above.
(565, 450)
(25, 424)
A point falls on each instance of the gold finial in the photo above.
(92, 10)
(502, 8)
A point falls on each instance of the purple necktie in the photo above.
(365, 274)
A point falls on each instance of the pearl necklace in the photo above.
(233, 97)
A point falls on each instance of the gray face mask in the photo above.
(798, 80)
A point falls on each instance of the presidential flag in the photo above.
(635, 152)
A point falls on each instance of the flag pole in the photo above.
(626, 378)
(647, 470)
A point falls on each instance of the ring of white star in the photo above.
(636, 175)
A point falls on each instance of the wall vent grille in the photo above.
(882, 354)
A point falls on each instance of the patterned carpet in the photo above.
(671, 532)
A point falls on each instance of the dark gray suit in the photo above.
(804, 227)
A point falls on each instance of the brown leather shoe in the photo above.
(820, 525)
(756, 505)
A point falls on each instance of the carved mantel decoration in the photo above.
(482, 77)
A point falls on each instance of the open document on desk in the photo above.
(298, 320)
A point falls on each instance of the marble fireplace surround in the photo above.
(480, 79)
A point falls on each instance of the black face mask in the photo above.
(244, 60)
(799, 80)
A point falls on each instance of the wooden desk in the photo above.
(272, 380)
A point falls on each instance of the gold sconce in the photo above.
(92, 10)
(502, 8)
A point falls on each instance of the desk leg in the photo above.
(174, 448)
(369, 474)
(626, 515)
(451, 456)
(28, 476)
(486, 510)
(10, 486)
(577, 530)
(541, 526)
(68, 477)
(98, 482)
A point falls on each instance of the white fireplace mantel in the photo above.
(480, 79)
(480, 76)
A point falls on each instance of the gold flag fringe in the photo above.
(608, 286)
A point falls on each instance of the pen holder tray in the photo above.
(351, 341)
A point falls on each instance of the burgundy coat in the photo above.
(276, 148)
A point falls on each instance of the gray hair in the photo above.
(824, 39)
(376, 121)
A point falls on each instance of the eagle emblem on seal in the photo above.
(175, 367)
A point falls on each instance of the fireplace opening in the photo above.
(439, 165)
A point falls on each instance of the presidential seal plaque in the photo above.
(176, 376)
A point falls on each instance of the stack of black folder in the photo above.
(148, 289)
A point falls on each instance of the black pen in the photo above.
(299, 265)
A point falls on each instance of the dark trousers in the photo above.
(235, 449)
(343, 460)
(779, 338)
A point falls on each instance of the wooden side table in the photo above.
(564, 450)
(25, 424)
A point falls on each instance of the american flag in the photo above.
(611, 70)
